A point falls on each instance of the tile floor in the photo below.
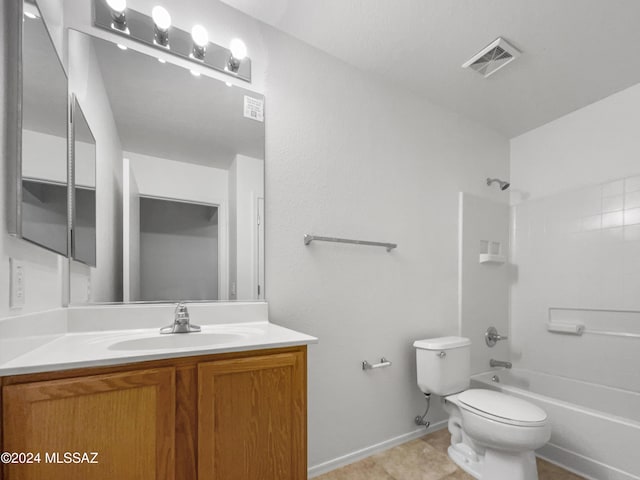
(423, 459)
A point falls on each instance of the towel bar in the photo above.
(310, 238)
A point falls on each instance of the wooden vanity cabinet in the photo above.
(125, 418)
(239, 416)
(252, 418)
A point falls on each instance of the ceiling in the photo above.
(163, 111)
(575, 52)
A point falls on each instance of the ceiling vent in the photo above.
(493, 57)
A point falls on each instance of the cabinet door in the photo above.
(252, 418)
(126, 418)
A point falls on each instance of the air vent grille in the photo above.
(493, 57)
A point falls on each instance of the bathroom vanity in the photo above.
(239, 415)
(134, 408)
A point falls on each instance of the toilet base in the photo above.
(500, 465)
(466, 459)
(494, 464)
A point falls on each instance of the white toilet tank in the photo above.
(444, 364)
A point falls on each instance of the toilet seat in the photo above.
(501, 408)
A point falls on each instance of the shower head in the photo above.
(503, 185)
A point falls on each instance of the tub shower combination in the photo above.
(595, 429)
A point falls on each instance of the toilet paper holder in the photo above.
(369, 366)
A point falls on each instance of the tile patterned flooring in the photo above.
(423, 459)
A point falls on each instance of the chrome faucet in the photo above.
(491, 336)
(181, 323)
(499, 363)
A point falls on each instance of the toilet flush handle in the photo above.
(442, 354)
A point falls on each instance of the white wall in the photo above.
(233, 231)
(85, 164)
(131, 234)
(484, 288)
(44, 156)
(164, 178)
(85, 80)
(39, 162)
(178, 251)
(593, 145)
(351, 156)
(576, 241)
(247, 176)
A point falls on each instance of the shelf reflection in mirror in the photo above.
(179, 180)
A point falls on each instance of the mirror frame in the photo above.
(13, 128)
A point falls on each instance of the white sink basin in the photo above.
(177, 340)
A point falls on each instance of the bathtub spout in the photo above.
(499, 363)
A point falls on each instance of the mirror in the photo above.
(83, 235)
(179, 186)
(43, 194)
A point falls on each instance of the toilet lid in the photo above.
(501, 407)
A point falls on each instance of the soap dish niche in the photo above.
(495, 259)
(491, 252)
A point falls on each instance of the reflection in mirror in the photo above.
(186, 172)
(167, 229)
(83, 244)
(44, 137)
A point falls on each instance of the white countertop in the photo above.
(113, 347)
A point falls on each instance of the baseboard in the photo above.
(352, 457)
(581, 465)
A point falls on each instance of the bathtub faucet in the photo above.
(499, 363)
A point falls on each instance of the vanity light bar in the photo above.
(178, 42)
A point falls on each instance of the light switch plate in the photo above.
(17, 282)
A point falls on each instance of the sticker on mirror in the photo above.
(254, 108)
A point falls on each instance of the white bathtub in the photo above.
(595, 429)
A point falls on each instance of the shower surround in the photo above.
(575, 261)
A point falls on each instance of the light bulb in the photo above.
(195, 73)
(162, 60)
(117, 5)
(238, 49)
(29, 15)
(200, 36)
(161, 18)
(118, 15)
(122, 47)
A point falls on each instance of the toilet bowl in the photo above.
(493, 435)
(499, 434)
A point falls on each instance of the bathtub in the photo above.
(595, 430)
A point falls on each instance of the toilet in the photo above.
(493, 435)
